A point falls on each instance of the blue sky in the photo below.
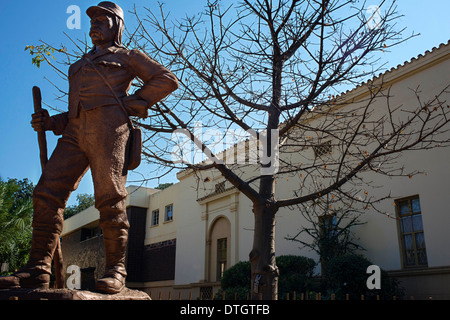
(26, 22)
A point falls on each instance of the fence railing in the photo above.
(302, 296)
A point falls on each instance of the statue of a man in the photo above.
(95, 133)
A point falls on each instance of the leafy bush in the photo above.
(16, 215)
(235, 283)
(347, 274)
(296, 274)
(238, 275)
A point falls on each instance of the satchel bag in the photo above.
(134, 145)
(134, 148)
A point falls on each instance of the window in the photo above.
(328, 226)
(219, 187)
(206, 293)
(221, 257)
(169, 213)
(328, 240)
(322, 149)
(411, 232)
(155, 217)
(88, 233)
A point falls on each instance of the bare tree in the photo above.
(274, 70)
(275, 67)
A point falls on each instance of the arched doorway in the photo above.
(219, 244)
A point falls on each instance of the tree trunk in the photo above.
(262, 257)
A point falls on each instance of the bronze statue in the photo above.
(95, 134)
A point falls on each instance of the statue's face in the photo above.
(102, 29)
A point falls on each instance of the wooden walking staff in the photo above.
(57, 257)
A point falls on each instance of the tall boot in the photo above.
(37, 271)
(115, 242)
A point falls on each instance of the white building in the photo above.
(183, 237)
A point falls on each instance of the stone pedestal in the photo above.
(67, 294)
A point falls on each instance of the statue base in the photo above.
(67, 294)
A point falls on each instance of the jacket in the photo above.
(120, 66)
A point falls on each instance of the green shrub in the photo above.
(238, 275)
(296, 274)
(347, 274)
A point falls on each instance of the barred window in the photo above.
(206, 293)
(220, 187)
(322, 149)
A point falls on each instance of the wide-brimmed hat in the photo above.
(105, 7)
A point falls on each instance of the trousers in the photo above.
(96, 139)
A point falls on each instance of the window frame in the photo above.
(222, 257)
(166, 211)
(90, 233)
(155, 214)
(400, 233)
